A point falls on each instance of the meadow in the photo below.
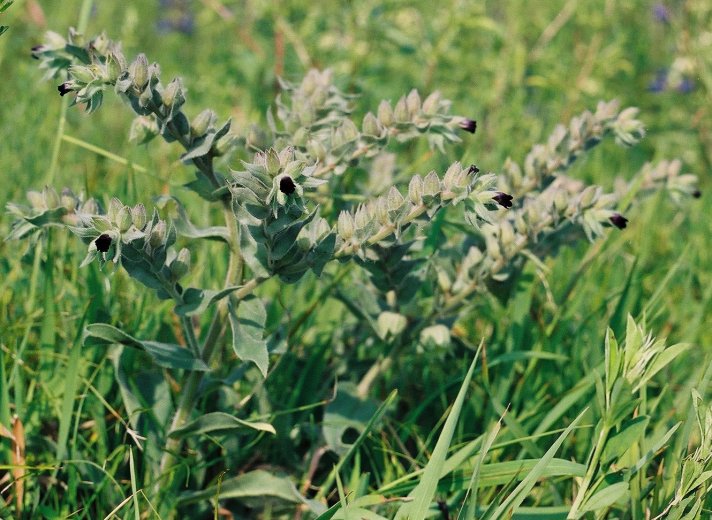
(408, 353)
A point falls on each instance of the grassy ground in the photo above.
(518, 67)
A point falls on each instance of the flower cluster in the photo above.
(390, 214)
(314, 118)
(93, 67)
(269, 201)
(566, 143)
(47, 208)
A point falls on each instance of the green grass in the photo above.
(518, 68)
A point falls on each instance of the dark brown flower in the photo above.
(64, 89)
(503, 199)
(102, 243)
(618, 220)
(697, 194)
(286, 185)
(468, 125)
(473, 169)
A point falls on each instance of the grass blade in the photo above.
(425, 490)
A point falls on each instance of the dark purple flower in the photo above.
(286, 185)
(468, 125)
(102, 243)
(661, 13)
(503, 199)
(64, 89)
(697, 194)
(660, 82)
(686, 86)
(473, 169)
(618, 220)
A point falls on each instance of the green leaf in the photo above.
(346, 411)
(259, 484)
(666, 357)
(166, 355)
(424, 492)
(183, 224)
(520, 493)
(71, 378)
(218, 421)
(195, 301)
(205, 144)
(248, 325)
(631, 432)
(606, 497)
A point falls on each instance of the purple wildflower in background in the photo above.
(686, 86)
(175, 15)
(660, 82)
(661, 13)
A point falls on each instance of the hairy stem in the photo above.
(189, 393)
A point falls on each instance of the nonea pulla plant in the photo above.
(312, 198)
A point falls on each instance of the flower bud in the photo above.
(361, 219)
(371, 126)
(395, 199)
(138, 216)
(256, 138)
(158, 234)
(316, 149)
(115, 64)
(381, 210)
(345, 225)
(81, 73)
(51, 199)
(506, 233)
(37, 200)
(173, 94)
(68, 200)
(202, 123)
(272, 162)
(124, 219)
(143, 129)
(412, 103)
(431, 184)
(138, 71)
(90, 207)
(588, 196)
(444, 281)
(415, 190)
(430, 105)
(181, 265)
(400, 113)
(560, 202)
(224, 144)
(348, 130)
(385, 113)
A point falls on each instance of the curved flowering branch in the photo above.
(567, 143)
(314, 117)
